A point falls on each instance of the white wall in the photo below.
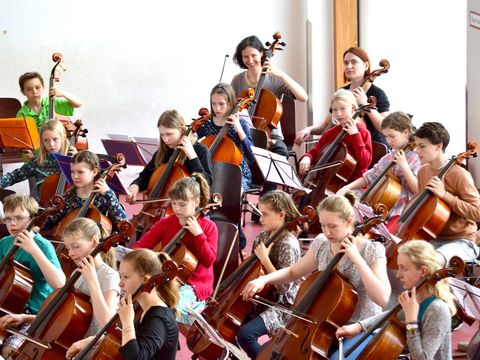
(130, 61)
(425, 42)
(473, 84)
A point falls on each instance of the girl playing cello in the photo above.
(427, 312)
(53, 140)
(156, 335)
(85, 166)
(364, 265)
(99, 280)
(397, 129)
(222, 102)
(277, 207)
(197, 157)
(357, 138)
(187, 195)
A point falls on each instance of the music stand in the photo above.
(276, 169)
(138, 151)
(214, 336)
(114, 183)
(19, 133)
(468, 297)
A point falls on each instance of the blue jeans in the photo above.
(347, 343)
(248, 335)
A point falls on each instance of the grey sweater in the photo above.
(433, 340)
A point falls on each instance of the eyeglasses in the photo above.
(15, 219)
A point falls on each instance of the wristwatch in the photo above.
(411, 328)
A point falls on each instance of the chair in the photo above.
(289, 126)
(227, 250)
(227, 182)
(9, 107)
(259, 139)
(379, 150)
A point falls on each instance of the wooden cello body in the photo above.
(426, 215)
(228, 312)
(267, 109)
(162, 179)
(222, 148)
(327, 301)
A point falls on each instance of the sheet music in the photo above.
(147, 147)
(468, 297)
(119, 137)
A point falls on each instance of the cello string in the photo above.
(260, 300)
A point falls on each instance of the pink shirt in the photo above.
(203, 246)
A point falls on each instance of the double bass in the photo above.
(266, 110)
(227, 312)
(221, 147)
(66, 314)
(426, 215)
(327, 301)
(390, 341)
(81, 142)
(161, 181)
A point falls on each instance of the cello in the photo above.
(66, 314)
(335, 165)
(222, 148)
(325, 297)
(15, 280)
(228, 311)
(389, 343)
(426, 215)
(56, 184)
(386, 188)
(87, 209)
(178, 251)
(161, 181)
(266, 110)
(370, 78)
(109, 345)
(81, 142)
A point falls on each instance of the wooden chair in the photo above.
(227, 182)
(227, 250)
(9, 107)
(379, 150)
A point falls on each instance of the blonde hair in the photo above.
(88, 229)
(345, 97)
(422, 253)
(340, 205)
(279, 201)
(25, 202)
(171, 119)
(191, 188)
(58, 128)
(148, 262)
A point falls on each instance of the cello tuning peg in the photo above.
(282, 43)
(268, 43)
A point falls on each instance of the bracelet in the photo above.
(127, 329)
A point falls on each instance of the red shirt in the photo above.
(359, 145)
(203, 246)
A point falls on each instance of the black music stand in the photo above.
(277, 169)
(138, 151)
(468, 297)
(114, 183)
